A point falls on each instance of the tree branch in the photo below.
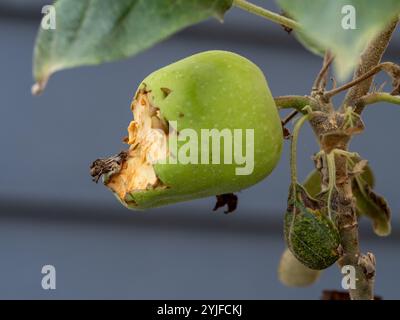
(390, 68)
(289, 117)
(375, 97)
(295, 102)
(343, 203)
(320, 81)
(266, 14)
(370, 58)
(344, 206)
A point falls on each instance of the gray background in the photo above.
(51, 212)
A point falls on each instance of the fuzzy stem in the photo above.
(389, 67)
(370, 58)
(344, 206)
(266, 14)
(330, 159)
(375, 98)
(320, 80)
(294, 102)
(343, 202)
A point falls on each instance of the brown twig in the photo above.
(321, 79)
(334, 83)
(391, 68)
(289, 117)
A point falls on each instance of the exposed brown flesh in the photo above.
(148, 142)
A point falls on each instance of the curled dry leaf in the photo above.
(374, 206)
(229, 199)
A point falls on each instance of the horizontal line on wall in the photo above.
(260, 223)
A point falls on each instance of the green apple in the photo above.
(205, 125)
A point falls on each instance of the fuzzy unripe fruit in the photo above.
(310, 234)
(312, 238)
(211, 90)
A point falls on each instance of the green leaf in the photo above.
(313, 183)
(321, 22)
(90, 32)
(310, 44)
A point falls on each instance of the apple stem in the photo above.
(389, 67)
(266, 14)
(320, 81)
(376, 97)
(294, 102)
(293, 148)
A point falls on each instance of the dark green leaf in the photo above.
(90, 32)
(321, 22)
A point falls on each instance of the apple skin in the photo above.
(213, 89)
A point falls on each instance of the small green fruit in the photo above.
(168, 160)
(310, 235)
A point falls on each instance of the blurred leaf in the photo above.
(360, 167)
(373, 206)
(90, 32)
(313, 181)
(322, 26)
(310, 44)
(293, 273)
